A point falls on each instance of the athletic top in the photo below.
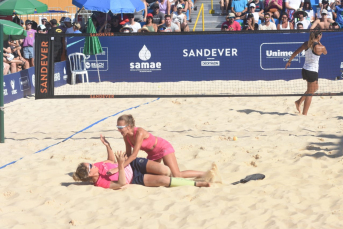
(311, 59)
(164, 6)
(178, 18)
(104, 180)
(147, 144)
(287, 28)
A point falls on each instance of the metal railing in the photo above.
(203, 18)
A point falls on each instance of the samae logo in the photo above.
(144, 54)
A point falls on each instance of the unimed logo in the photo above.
(210, 63)
(274, 56)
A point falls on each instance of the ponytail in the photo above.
(313, 35)
(129, 120)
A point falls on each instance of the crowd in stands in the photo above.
(158, 16)
(274, 15)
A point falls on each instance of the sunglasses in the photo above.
(121, 127)
(267, 17)
(284, 17)
(90, 166)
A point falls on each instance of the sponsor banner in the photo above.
(21, 84)
(171, 58)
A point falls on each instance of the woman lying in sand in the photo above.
(157, 148)
(139, 171)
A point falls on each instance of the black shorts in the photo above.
(139, 169)
(309, 76)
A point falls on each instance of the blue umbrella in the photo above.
(115, 6)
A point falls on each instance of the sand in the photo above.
(301, 157)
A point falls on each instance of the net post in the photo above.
(2, 112)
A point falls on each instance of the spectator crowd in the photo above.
(274, 15)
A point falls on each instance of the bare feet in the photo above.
(212, 175)
(202, 184)
(297, 105)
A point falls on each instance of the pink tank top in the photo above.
(104, 180)
(163, 7)
(147, 144)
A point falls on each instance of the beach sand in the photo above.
(301, 157)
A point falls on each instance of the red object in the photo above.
(124, 22)
(3, 17)
(150, 15)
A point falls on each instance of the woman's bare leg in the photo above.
(153, 167)
(170, 161)
(311, 89)
(159, 180)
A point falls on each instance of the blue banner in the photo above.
(202, 57)
(21, 84)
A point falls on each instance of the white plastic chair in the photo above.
(77, 62)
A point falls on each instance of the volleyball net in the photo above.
(184, 65)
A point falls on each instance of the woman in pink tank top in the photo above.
(140, 171)
(157, 148)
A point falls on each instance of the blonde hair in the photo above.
(313, 35)
(81, 173)
(129, 120)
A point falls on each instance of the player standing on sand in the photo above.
(313, 49)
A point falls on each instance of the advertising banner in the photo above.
(207, 57)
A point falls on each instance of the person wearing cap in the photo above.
(324, 6)
(168, 26)
(126, 29)
(115, 25)
(291, 6)
(149, 24)
(44, 20)
(251, 10)
(267, 24)
(180, 19)
(274, 7)
(29, 42)
(59, 42)
(231, 23)
(67, 24)
(158, 17)
(238, 7)
(77, 27)
(324, 22)
(285, 24)
(41, 29)
(62, 26)
(301, 15)
(259, 5)
(339, 12)
(134, 25)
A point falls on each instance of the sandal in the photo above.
(257, 176)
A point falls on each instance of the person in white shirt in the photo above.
(251, 10)
(301, 15)
(307, 7)
(134, 25)
(267, 25)
(180, 19)
(324, 6)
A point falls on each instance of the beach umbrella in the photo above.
(8, 7)
(12, 29)
(92, 44)
(115, 6)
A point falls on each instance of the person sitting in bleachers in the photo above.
(301, 15)
(149, 25)
(274, 7)
(231, 23)
(284, 24)
(267, 24)
(134, 25)
(251, 10)
(307, 7)
(180, 19)
(324, 6)
(168, 26)
(324, 22)
(239, 7)
(258, 4)
(158, 17)
(115, 26)
(291, 7)
(333, 5)
(300, 26)
(224, 6)
(249, 23)
(339, 12)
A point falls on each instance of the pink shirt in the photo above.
(30, 38)
(235, 26)
(104, 180)
(272, 5)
